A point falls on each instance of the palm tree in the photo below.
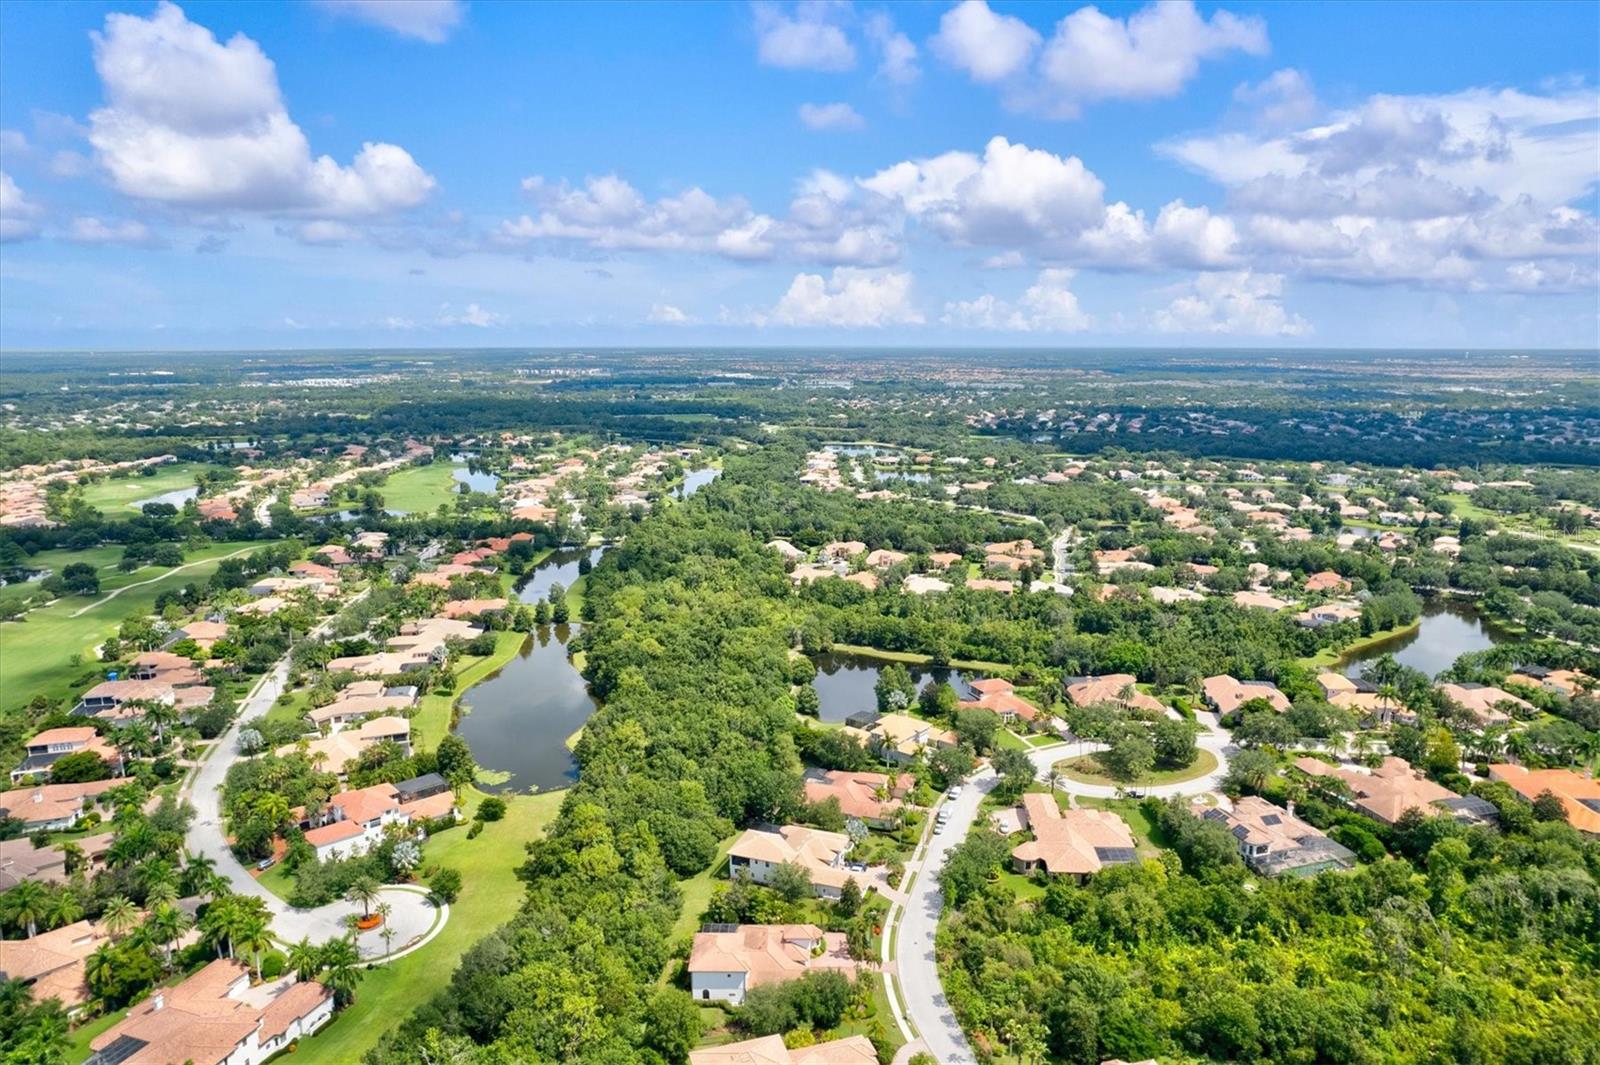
(160, 715)
(220, 924)
(63, 908)
(161, 893)
(339, 961)
(26, 905)
(254, 938)
(364, 891)
(305, 959)
(384, 910)
(197, 873)
(100, 967)
(166, 926)
(120, 916)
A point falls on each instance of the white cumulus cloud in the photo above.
(850, 297)
(989, 47)
(666, 314)
(1232, 303)
(134, 234)
(194, 122)
(1047, 306)
(830, 116)
(471, 314)
(19, 216)
(425, 20)
(805, 37)
(897, 56)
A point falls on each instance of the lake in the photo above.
(488, 483)
(559, 566)
(845, 683)
(695, 480)
(518, 719)
(177, 497)
(1447, 631)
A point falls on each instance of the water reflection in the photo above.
(845, 683)
(1447, 631)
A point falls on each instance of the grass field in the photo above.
(419, 489)
(1147, 835)
(1086, 770)
(37, 653)
(697, 891)
(1328, 657)
(432, 719)
(490, 896)
(119, 493)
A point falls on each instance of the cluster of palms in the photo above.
(336, 964)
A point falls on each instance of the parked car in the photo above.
(938, 826)
(266, 863)
(955, 791)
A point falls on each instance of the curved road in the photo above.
(915, 962)
(413, 915)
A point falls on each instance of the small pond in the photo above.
(518, 719)
(462, 473)
(896, 475)
(177, 497)
(1447, 631)
(559, 566)
(845, 683)
(695, 480)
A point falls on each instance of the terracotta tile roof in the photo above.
(1579, 795)
(858, 792)
(1109, 688)
(811, 848)
(1075, 842)
(769, 1050)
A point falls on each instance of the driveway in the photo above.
(208, 836)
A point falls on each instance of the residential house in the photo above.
(1116, 689)
(875, 799)
(1273, 841)
(1579, 795)
(1484, 702)
(1567, 682)
(1386, 793)
(54, 807)
(1260, 600)
(727, 961)
(884, 558)
(921, 584)
(897, 737)
(472, 608)
(48, 747)
(998, 696)
(20, 860)
(1326, 581)
(354, 821)
(788, 551)
(205, 633)
(51, 963)
(335, 752)
(1077, 842)
(770, 1050)
(215, 1018)
(760, 851)
(359, 701)
(1225, 694)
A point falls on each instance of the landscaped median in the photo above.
(1085, 769)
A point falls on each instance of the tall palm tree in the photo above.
(305, 959)
(219, 924)
(161, 893)
(340, 959)
(254, 938)
(120, 916)
(166, 926)
(26, 905)
(364, 891)
(197, 873)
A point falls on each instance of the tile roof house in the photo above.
(998, 696)
(50, 746)
(354, 821)
(900, 737)
(20, 860)
(876, 799)
(215, 1017)
(1273, 841)
(1077, 842)
(1114, 688)
(1386, 793)
(770, 1050)
(54, 806)
(341, 748)
(1579, 795)
(1225, 694)
(728, 960)
(760, 851)
(1326, 581)
(51, 963)
(1484, 702)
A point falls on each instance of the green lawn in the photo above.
(432, 719)
(278, 880)
(697, 892)
(575, 597)
(118, 493)
(1329, 657)
(419, 489)
(1086, 770)
(490, 896)
(1005, 739)
(37, 653)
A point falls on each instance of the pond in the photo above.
(560, 565)
(896, 475)
(1446, 631)
(518, 719)
(695, 480)
(177, 497)
(860, 450)
(845, 683)
(462, 473)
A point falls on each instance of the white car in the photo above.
(955, 791)
(938, 827)
(943, 815)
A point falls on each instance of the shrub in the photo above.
(272, 964)
(472, 833)
(492, 809)
(445, 885)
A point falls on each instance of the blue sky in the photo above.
(361, 172)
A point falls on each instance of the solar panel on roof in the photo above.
(1114, 854)
(719, 928)
(1272, 819)
(120, 1050)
